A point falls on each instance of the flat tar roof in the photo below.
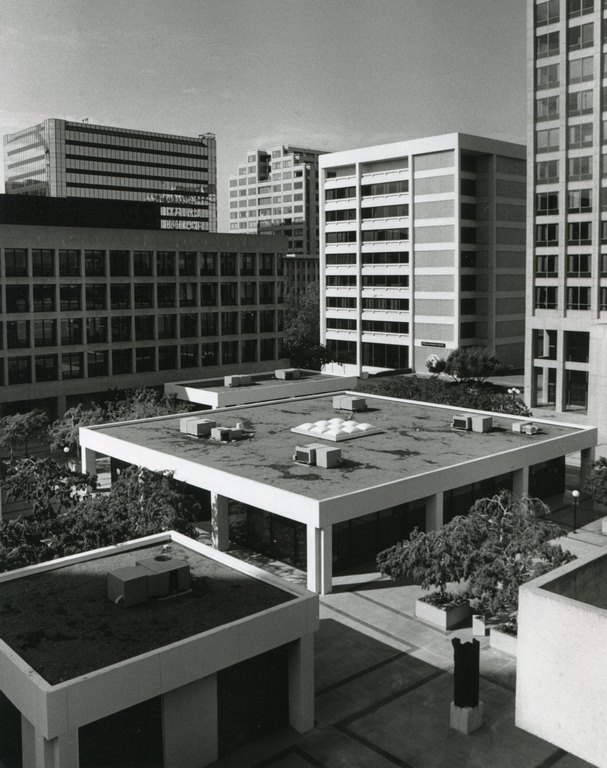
(63, 625)
(417, 438)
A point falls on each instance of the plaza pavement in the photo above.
(384, 685)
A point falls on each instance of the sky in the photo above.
(324, 74)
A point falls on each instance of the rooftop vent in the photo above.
(239, 432)
(194, 425)
(336, 429)
(482, 423)
(349, 403)
(462, 422)
(525, 428)
(316, 454)
(240, 380)
(159, 576)
(287, 374)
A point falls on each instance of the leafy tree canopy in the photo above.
(597, 481)
(472, 364)
(21, 427)
(302, 329)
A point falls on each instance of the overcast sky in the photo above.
(327, 74)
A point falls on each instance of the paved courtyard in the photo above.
(383, 688)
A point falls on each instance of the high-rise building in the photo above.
(87, 309)
(422, 252)
(566, 345)
(60, 158)
(276, 191)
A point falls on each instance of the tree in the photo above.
(597, 481)
(63, 432)
(302, 329)
(21, 426)
(472, 364)
(500, 544)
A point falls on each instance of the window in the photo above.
(547, 45)
(145, 359)
(546, 203)
(144, 296)
(208, 294)
(165, 263)
(121, 329)
(546, 265)
(547, 171)
(229, 352)
(18, 334)
(43, 262)
(72, 365)
(545, 297)
(546, 109)
(47, 368)
(165, 294)
(167, 326)
(15, 262)
(579, 7)
(17, 298)
(71, 331)
(544, 344)
(579, 233)
(187, 263)
(342, 324)
(581, 36)
(266, 293)
(144, 328)
(97, 363)
(340, 237)
(578, 265)
(229, 323)
(96, 330)
(603, 298)
(347, 214)
(142, 263)
(227, 263)
(208, 323)
(580, 168)
(94, 263)
(579, 201)
(187, 294)
(546, 13)
(385, 211)
(547, 77)
(45, 333)
(120, 264)
(376, 235)
(391, 304)
(209, 353)
(580, 70)
(120, 296)
(44, 298)
(579, 103)
(247, 264)
(69, 263)
(247, 293)
(122, 361)
(342, 193)
(468, 282)
(389, 281)
(167, 358)
(266, 264)
(266, 349)
(384, 326)
(96, 297)
(228, 294)
(603, 231)
(70, 297)
(603, 262)
(188, 354)
(580, 135)
(547, 140)
(546, 234)
(188, 325)
(19, 370)
(578, 297)
(248, 351)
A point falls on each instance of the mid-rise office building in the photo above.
(61, 158)
(566, 349)
(85, 310)
(276, 191)
(422, 251)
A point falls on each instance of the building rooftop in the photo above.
(63, 625)
(415, 439)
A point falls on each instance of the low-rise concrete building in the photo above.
(70, 657)
(324, 482)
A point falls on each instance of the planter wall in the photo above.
(502, 641)
(442, 617)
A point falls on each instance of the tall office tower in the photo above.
(94, 296)
(566, 345)
(276, 191)
(422, 252)
(59, 158)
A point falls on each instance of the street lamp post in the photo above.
(576, 496)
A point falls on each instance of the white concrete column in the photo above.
(89, 461)
(189, 724)
(220, 521)
(586, 462)
(301, 684)
(434, 512)
(319, 543)
(520, 482)
(38, 752)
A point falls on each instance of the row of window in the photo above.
(21, 334)
(394, 281)
(375, 212)
(367, 236)
(379, 257)
(99, 263)
(578, 169)
(580, 135)
(349, 302)
(77, 365)
(578, 201)
(578, 265)
(576, 345)
(578, 103)
(577, 297)
(578, 233)
(369, 326)
(581, 36)
(548, 11)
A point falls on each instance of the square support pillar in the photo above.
(319, 543)
(434, 512)
(301, 684)
(220, 521)
(520, 482)
(89, 461)
(37, 752)
(586, 462)
(189, 725)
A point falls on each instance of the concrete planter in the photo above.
(502, 641)
(443, 617)
(479, 626)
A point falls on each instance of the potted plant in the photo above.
(430, 560)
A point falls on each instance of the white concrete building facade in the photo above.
(422, 247)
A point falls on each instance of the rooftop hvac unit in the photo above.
(193, 425)
(482, 423)
(349, 403)
(327, 456)
(223, 434)
(166, 575)
(237, 380)
(287, 374)
(529, 428)
(305, 454)
(462, 422)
